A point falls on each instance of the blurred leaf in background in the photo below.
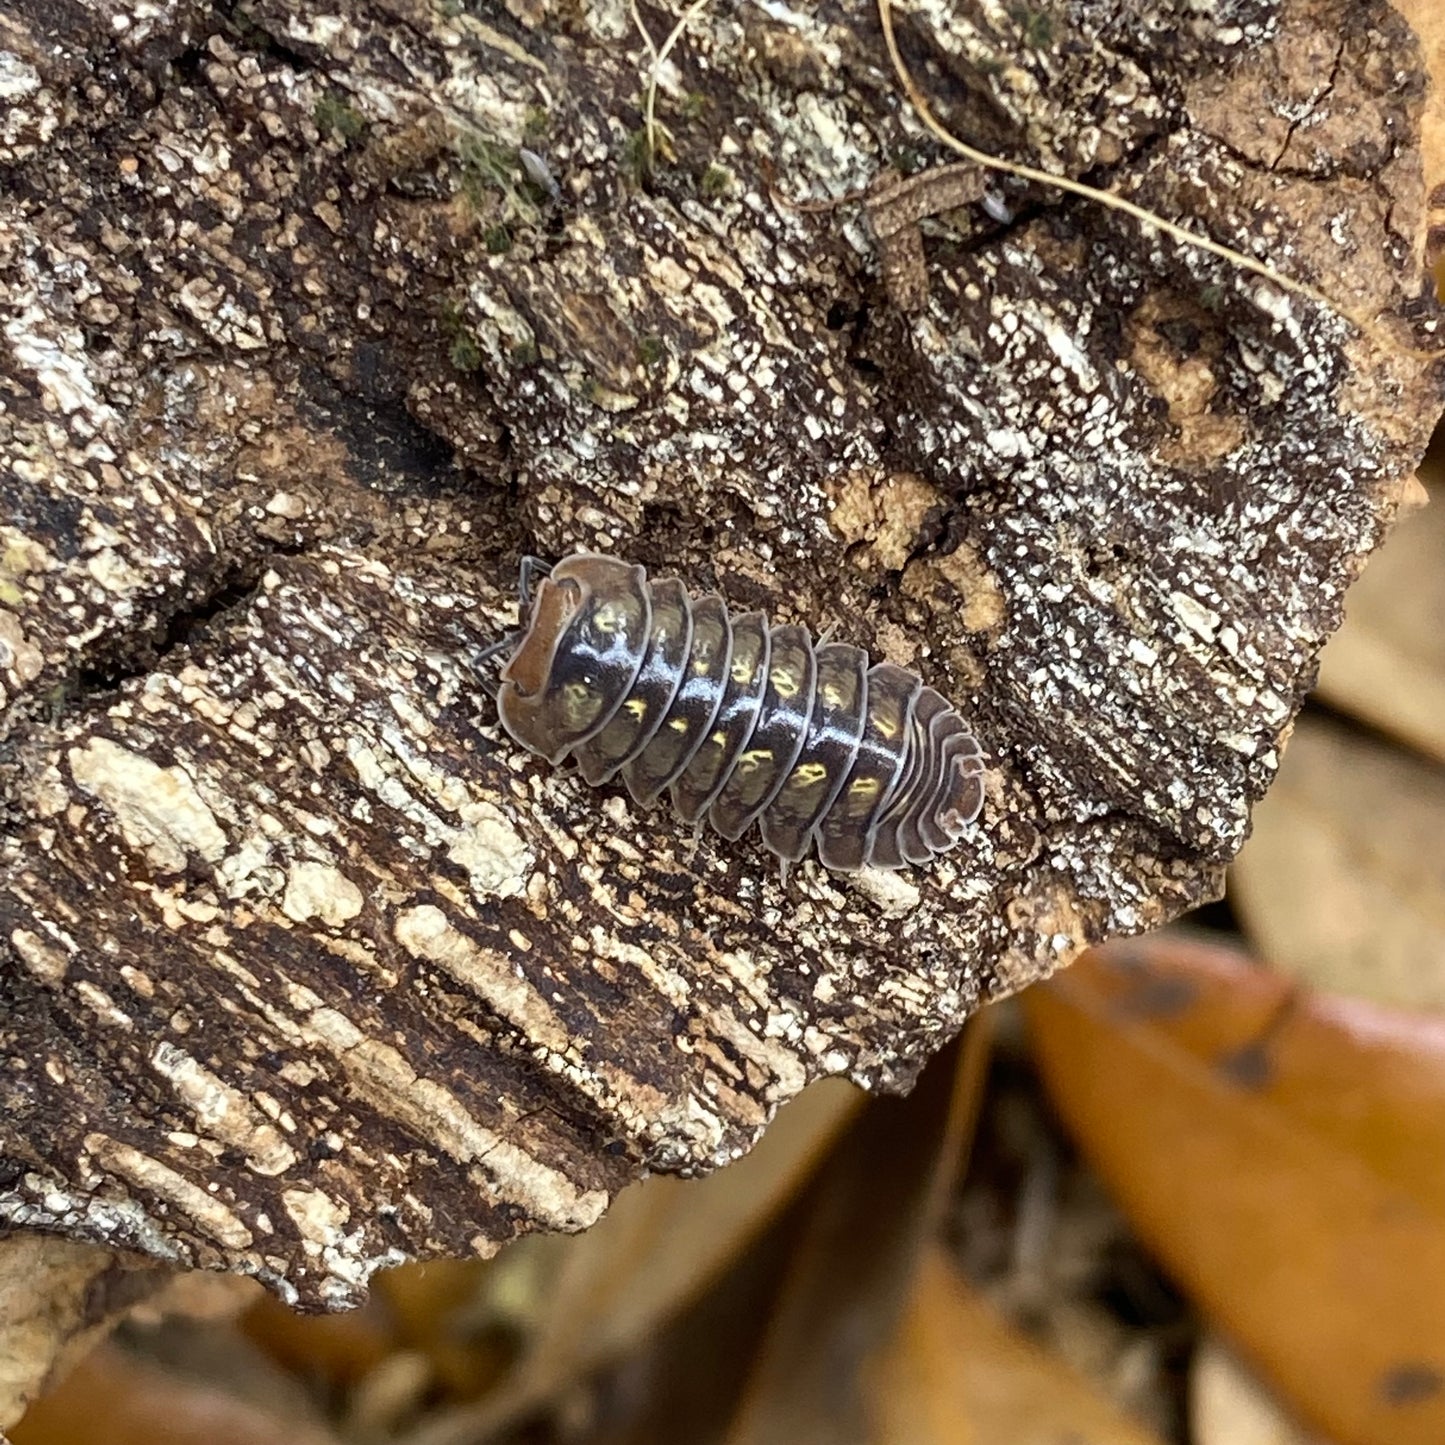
(1283, 1155)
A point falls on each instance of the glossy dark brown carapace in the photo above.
(740, 722)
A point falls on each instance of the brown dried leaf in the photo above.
(337, 1349)
(58, 1299)
(1343, 881)
(580, 1304)
(956, 1374)
(666, 1239)
(115, 1398)
(877, 1206)
(1283, 1155)
(1386, 665)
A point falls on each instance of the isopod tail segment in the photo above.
(739, 721)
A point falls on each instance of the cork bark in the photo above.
(315, 320)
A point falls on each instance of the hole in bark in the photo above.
(190, 625)
(1182, 334)
(133, 654)
(186, 68)
(1105, 559)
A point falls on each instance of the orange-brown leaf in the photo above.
(115, 1398)
(875, 1209)
(338, 1349)
(1284, 1155)
(956, 1374)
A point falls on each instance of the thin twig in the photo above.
(1078, 188)
(642, 29)
(649, 101)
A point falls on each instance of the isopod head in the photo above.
(574, 661)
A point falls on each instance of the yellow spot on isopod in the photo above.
(678, 724)
(577, 700)
(786, 682)
(636, 707)
(807, 776)
(754, 759)
(863, 787)
(608, 618)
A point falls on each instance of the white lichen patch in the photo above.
(223, 1112)
(499, 981)
(44, 1204)
(250, 869)
(55, 355)
(482, 841)
(319, 1218)
(20, 660)
(18, 78)
(494, 854)
(785, 1073)
(1201, 620)
(103, 1006)
(425, 932)
(891, 891)
(159, 811)
(689, 1131)
(150, 1176)
(47, 961)
(321, 891)
(434, 1113)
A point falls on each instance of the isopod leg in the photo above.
(502, 644)
(527, 575)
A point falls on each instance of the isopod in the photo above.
(739, 721)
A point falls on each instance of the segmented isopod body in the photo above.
(739, 721)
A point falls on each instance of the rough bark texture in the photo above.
(309, 970)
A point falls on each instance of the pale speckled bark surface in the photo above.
(309, 971)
